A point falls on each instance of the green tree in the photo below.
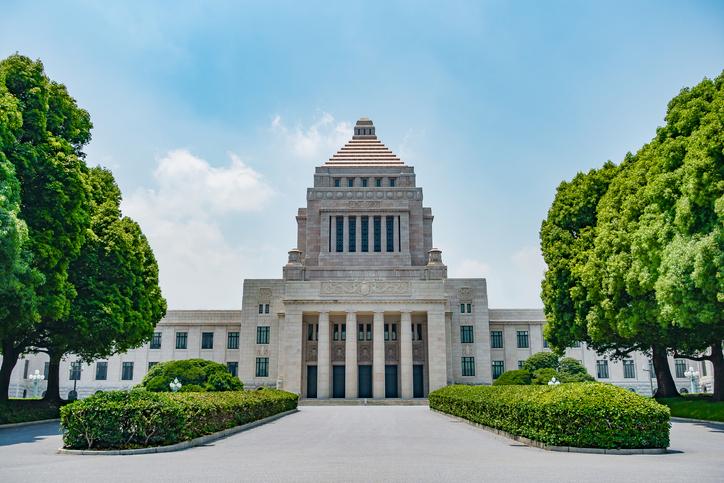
(517, 377)
(541, 360)
(115, 275)
(45, 149)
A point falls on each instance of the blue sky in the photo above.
(212, 115)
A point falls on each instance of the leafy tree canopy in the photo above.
(194, 374)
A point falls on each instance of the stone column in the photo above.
(290, 360)
(323, 352)
(350, 357)
(406, 355)
(437, 357)
(378, 356)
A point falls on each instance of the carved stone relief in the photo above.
(365, 288)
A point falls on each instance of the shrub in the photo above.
(196, 375)
(544, 375)
(513, 378)
(119, 419)
(22, 410)
(585, 415)
(570, 370)
(541, 360)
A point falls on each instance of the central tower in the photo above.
(364, 218)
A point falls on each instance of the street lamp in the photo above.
(554, 382)
(175, 385)
(36, 377)
(693, 376)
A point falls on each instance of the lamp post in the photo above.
(175, 385)
(693, 376)
(36, 377)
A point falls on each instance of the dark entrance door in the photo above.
(337, 381)
(364, 381)
(418, 389)
(311, 381)
(391, 381)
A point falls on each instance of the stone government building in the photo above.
(364, 308)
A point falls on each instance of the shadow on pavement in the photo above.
(29, 434)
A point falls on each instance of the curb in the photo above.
(718, 424)
(183, 444)
(562, 449)
(28, 423)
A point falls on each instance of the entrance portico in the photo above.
(363, 348)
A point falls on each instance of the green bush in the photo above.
(195, 375)
(518, 377)
(570, 370)
(584, 415)
(23, 410)
(541, 360)
(544, 375)
(120, 419)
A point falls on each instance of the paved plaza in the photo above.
(357, 443)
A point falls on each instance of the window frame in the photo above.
(182, 336)
(467, 334)
(467, 366)
(262, 367)
(104, 373)
(497, 368)
(205, 340)
(232, 339)
(124, 366)
(522, 336)
(498, 337)
(155, 341)
(263, 334)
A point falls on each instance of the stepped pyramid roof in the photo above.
(364, 149)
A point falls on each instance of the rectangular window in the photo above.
(520, 364)
(207, 340)
(394, 331)
(151, 364)
(680, 367)
(377, 229)
(387, 332)
(266, 308)
(629, 370)
(545, 343)
(232, 340)
(703, 368)
(337, 182)
(350, 182)
(522, 336)
(369, 331)
(335, 331)
(181, 338)
(261, 308)
(310, 332)
(262, 367)
(46, 367)
(360, 332)
(365, 233)
(156, 340)
(262, 334)
(462, 308)
(390, 229)
(652, 373)
(339, 232)
(470, 308)
(419, 331)
(496, 339)
(602, 369)
(466, 334)
(468, 366)
(101, 371)
(378, 182)
(127, 371)
(233, 368)
(364, 182)
(74, 371)
(26, 369)
(352, 221)
(393, 182)
(498, 368)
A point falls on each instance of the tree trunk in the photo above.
(10, 359)
(664, 380)
(52, 393)
(717, 360)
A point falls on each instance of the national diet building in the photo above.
(364, 307)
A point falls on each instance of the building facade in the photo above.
(364, 307)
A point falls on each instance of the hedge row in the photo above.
(119, 419)
(584, 415)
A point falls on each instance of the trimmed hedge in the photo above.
(24, 410)
(583, 415)
(119, 419)
(517, 377)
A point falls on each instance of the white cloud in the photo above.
(469, 268)
(315, 142)
(199, 267)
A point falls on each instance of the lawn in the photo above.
(695, 407)
(22, 410)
